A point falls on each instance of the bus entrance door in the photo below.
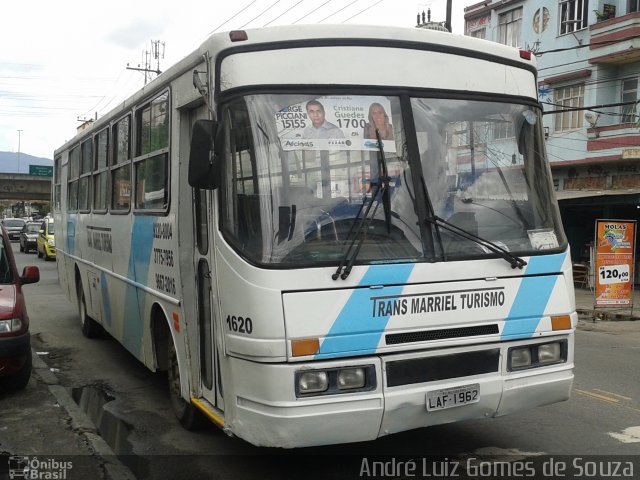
(210, 383)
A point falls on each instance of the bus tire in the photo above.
(90, 328)
(189, 416)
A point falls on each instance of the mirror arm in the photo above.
(203, 88)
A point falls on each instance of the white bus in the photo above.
(326, 234)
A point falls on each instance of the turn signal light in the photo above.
(305, 346)
(562, 322)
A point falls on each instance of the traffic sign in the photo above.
(40, 171)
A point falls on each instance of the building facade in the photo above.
(588, 54)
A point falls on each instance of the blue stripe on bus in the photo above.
(356, 314)
(533, 296)
(139, 258)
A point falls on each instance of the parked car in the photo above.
(46, 243)
(15, 342)
(14, 227)
(29, 236)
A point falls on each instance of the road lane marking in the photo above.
(628, 435)
(613, 394)
(598, 396)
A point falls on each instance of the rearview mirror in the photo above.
(30, 274)
(203, 171)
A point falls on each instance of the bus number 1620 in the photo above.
(240, 324)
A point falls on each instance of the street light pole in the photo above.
(19, 132)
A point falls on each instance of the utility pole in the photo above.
(157, 52)
(19, 132)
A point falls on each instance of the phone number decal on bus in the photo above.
(165, 283)
(162, 256)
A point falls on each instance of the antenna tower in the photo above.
(156, 53)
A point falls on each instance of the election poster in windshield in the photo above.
(337, 123)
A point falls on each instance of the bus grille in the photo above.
(396, 338)
(431, 369)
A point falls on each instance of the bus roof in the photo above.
(218, 43)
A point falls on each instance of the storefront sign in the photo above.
(631, 154)
(615, 253)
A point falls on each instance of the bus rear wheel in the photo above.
(189, 416)
(90, 328)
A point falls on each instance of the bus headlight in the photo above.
(520, 357)
(51, 243)
(350, 378)
(313, 382)
(549, 353)
(335, 380)
(537, 355)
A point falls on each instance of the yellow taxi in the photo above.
(46, 244)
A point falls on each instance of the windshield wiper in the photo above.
(385, 180)
(513, 260)
(382, 188)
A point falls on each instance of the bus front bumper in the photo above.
(266, 411)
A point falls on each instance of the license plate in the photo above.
(453, 397)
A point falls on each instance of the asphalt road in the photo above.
(601, 418)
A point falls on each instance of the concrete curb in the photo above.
(606, 315)
(80, 423)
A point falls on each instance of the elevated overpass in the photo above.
(22, 186)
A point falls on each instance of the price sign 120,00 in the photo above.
(614, 274)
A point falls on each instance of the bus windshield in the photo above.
(304, 179)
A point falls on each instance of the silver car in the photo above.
(13, 226)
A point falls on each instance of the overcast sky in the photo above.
(61, 61)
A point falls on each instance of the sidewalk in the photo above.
(586, 310)
(47, 431)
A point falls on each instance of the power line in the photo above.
(95, 107)
(362, 11)
(614, 77)
(563, 65)
(601, 43)
(261, 13)
(599, 112)
(591, 108)
(312, 11)
(338, 11)
(286, 11)
(232, 17)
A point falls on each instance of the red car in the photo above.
(15, 344)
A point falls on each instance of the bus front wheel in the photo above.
(189, 416)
